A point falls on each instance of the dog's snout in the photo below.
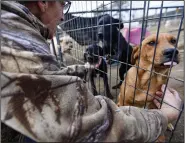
(169, 52)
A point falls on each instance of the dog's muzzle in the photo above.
(168, 56)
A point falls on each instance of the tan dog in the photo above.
(163, 58)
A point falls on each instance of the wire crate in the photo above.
(81, 24)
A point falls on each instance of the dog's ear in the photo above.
(135, 55)
(118, 21)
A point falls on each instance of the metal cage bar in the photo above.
(150, 78)
(180, 25)
(137, 20)
(118, 49)
(110, 43)
(128, 49)
(126, 9)
(140, 49)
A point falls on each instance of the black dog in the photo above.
(93, 55)
(114, 43)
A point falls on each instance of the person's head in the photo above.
(50, 13)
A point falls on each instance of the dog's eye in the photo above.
(173, 41)
(151, 43)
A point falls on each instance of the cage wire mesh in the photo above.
(81, 25)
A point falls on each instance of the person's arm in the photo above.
(36, 63)
(60, 108)
(134, 124)
(48, 104)
(143, 125)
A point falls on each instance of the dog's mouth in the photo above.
(169, 59)
(169, 63)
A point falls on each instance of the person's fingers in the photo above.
(89, 66)
(159, 93)
(177, 96)
(163, 88)
(169, 91)
(175, 93)
(157, 103)
(158, 98)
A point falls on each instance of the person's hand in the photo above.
(77, 70)
(89, 66)
(172, 98)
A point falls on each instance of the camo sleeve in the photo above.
(59, 108)
(145, 125)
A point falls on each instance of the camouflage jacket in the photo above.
(50, 104)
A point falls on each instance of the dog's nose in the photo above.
(169, 52)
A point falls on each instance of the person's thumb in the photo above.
(89, 66)
(163, 88)
(175, 93)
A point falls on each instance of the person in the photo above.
(51, 104)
